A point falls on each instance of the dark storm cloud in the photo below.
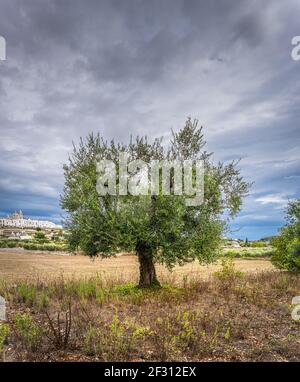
(122, 67)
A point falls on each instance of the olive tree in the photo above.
(159, 228)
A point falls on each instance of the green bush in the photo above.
(27, 330)
(34, 245)
(287, 244)
(287, 255)
(228, 271)
(232, 253)
(4, 332)
(50, 247)
(3, 243)
(257, 244)
(12, 244)
(248, 252)
(44, 247)
(39, 235)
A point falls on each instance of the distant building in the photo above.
(16, 215)
(17, 220)
(234, 243)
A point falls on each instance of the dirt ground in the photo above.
(19, 264)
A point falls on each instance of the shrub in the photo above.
(40, 235)
(228, 272)
(232, 253)
(50, 247)
(258, 244)
(186, 335)
(287, 254)
(114, 341)
(44, 246)
(91, 342)
(3, 244)
(287, 244)
(141, 332)
(12, 244)
(27, 330)
(249, 252)
(4, 333)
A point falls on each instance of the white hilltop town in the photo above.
(18, 220)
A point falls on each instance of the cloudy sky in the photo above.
(141, 67)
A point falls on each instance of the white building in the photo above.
(17, 220)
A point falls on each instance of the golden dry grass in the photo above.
(18, 264)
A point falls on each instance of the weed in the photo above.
(127, 323)
(227, 334)
(186, 335)
(142, 332)
(60, 330)
(228, 273)
(91, 343)
(43, 300)
(27, 293)
(27, 330)
(4, 333)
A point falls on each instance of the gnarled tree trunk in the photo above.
(147, 270)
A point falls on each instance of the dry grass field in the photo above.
(70, 308)
(16, 264)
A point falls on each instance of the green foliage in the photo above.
(32, 245)
(227, 334)
(84, 288)
(186, 334)
(3, 243)
(27, 293)
(91, 342)
(228, 272)
(125, 289)
(45, 247)
(115, 340)
(40, 235)
(12, 244)
(287, 244)
(27, 330)
(87, 289)
(159, 228)
(130, 291)
(117, 329)
(258, 244)
(248, 252)
(43, 300)
(141, 332)
(4, 333)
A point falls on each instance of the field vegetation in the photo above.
(229, 316)
(248, 252)
(34, 245)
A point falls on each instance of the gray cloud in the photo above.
(142, 67)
